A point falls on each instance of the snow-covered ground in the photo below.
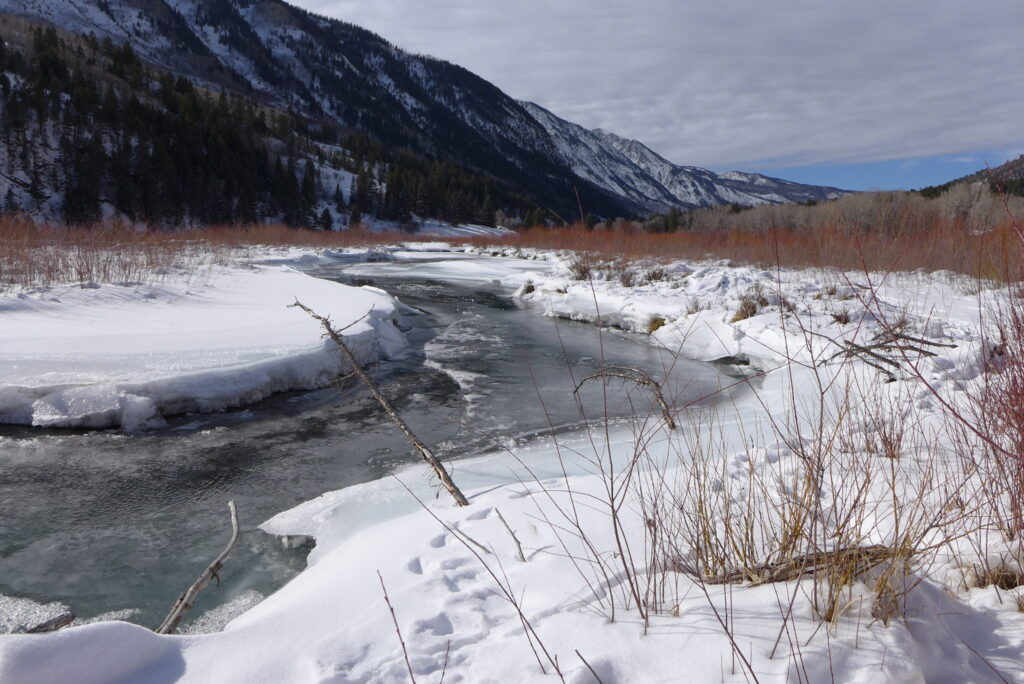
(127, 355)
(471, 609)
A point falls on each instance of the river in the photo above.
(109, 521)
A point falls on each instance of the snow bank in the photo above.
(330, 624)
(129, 355)
(693, 308)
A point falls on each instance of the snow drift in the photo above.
(128, 355)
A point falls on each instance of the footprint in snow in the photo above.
(480, 515)
(439, 625)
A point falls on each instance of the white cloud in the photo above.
(732, 84)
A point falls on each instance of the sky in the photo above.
(858, 94)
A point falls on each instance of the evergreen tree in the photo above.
(325, 221)
(339, 199)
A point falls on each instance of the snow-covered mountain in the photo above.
(652, 183)
(336, 72)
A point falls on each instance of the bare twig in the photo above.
(358, 371)
(444, 668)
(519, 547)
(639, 377)
(596, 676)
(398, 631)
(185, 601)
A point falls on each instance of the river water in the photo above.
(108, 521)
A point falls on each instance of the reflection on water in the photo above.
(105, 521)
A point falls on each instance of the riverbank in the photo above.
(129, 355)
(624, 528)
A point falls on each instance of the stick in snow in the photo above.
(398, 631)
(358, 371)
(185, 601)
(519, 547)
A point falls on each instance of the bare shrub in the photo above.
(42, 255)
(655, 274)
(580, 267)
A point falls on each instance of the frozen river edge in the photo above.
(331, 623)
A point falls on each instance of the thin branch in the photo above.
(519, 547)
(186, 600)
(596, 676)
(639, 377)
(394, 620)
(357, 370)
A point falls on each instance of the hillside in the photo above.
(340, 80)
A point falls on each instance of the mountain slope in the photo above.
(652, 183)
(345, 76)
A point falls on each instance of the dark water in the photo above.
(105, 521)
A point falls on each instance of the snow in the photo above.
(128, 355)
(449, 572)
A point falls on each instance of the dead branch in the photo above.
(882, 348)
(357, 370)
(895, 335)
(394, 620)
(52, 625)
(863, 558)
(185, 601)
(639, 377)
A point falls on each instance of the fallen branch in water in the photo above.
(52, 625)
(639, 377)
(185, 601)
(358, 371)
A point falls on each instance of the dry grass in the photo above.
(944, 246)
(41, 256)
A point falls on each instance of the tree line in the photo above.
(88, 125)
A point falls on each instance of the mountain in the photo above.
(1008, 177)
(340, 76)
(1010, 173)
(651, 183)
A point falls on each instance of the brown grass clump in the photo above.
(746, 309)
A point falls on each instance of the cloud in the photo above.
(734, 84)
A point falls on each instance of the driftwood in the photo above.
(357, 370)
(639, 377)
(51, 625)
(185, 601)
(862, 558)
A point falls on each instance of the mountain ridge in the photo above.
(334, 71)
